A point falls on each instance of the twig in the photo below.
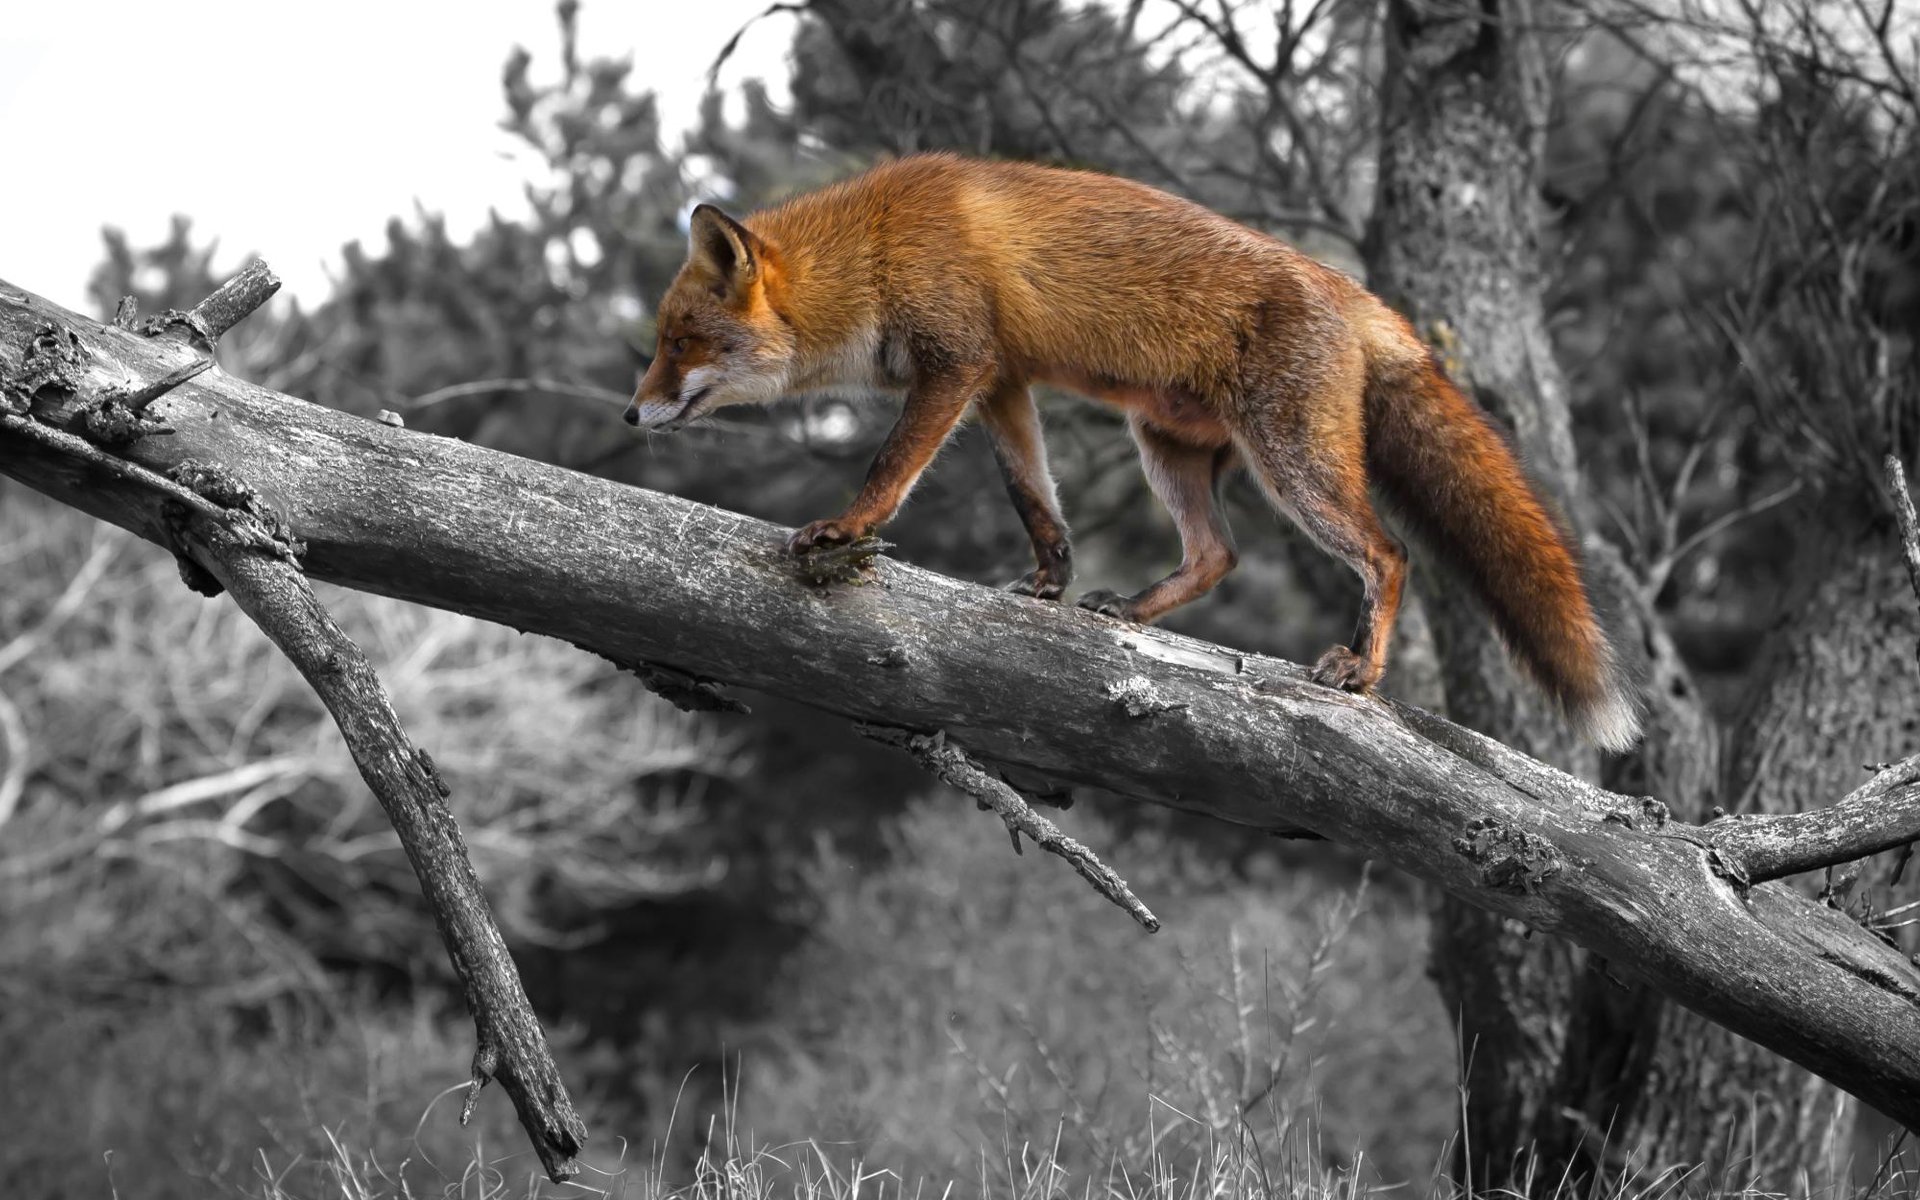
(950, 765)
(1657, 573)
(139, 400)
(13, 735)
(1909, 521)
(511, 1046)
(1910, 545)
(69, 601)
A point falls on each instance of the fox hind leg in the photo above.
(1321, 483)
(1185, 478)
(1013, 426)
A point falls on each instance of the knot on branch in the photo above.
(682, 689)
(1510, 860)
(432, 772)
(823, 566)
(173, 318)
(53, 360)
(1138, 698)
(243, 516)
(229, 491)
(1649, 814)
(113, 420)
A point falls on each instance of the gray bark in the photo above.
(664, 584)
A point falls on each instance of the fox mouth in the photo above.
(689, 412)
(682, 416)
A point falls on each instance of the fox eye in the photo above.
(678, 346)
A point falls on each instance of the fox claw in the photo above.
(819, 533)
(1112, 604)
(1038, 585)
(1341, 668)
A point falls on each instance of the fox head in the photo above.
(720, 340)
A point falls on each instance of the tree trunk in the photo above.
(1837, 694)
(1567, 1070)
(1453, 244)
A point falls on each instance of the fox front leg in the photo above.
(934, 407)
(1013, 426)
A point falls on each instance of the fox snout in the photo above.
(665, 414)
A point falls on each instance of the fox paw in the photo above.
(1342, 668)
(1113, 604)
(831, 532)
(1041, 585)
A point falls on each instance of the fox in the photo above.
(963, 283)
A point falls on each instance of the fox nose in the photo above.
(632, 415)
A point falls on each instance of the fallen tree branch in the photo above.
(511, 1046)
(1045, 688)
(951, 766)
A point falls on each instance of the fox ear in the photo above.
(726, 247)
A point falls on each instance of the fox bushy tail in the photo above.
(1455, 483)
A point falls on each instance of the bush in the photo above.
(960, 997)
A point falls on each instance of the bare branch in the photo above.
(1881, 814)
(950, 765)
(1909, 522)
(511, 1046)
(81, 450)
(69, 602)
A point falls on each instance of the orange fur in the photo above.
(963, 282)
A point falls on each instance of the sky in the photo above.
(287, 130)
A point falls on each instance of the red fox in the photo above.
(965, 282)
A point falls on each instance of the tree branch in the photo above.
(271, 590)
(951, 765)
(1909, 521)
(1046, 688)
(1881, 814)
